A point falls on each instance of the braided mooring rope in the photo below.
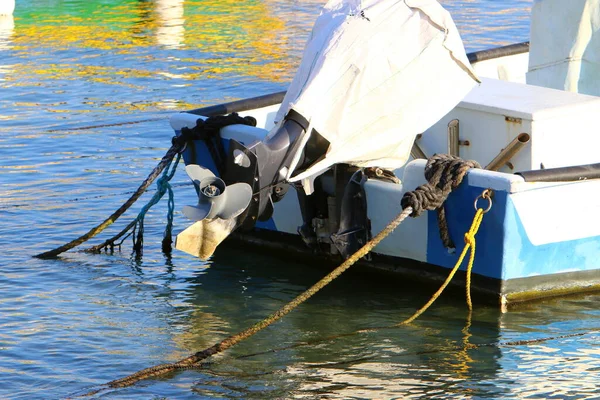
(444, 173)
(166, 160)
(230, 341)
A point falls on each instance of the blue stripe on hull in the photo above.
(503, 249)
(460, 212)
(200, 155)
(523, 259)
(268, 225)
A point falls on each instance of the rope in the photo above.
(514, 343)
(191, 361)
(230, 341)
(137, 225)
(444, 173)
(163, 186)
(469, 244)
(85, 128)
(468, 346)
(207, 130)
(167, 242)
(111, 242)
(34, 204)
(166, 160)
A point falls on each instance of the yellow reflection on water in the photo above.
(230, 37)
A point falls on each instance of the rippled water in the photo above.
(70, 324)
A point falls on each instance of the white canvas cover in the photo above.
(374, 74)
(565, 45)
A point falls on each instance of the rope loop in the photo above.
(469, 245)
(444, 173)
(210, 127)
(163, 186)
(209, 130)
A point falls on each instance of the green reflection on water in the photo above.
(97, 42)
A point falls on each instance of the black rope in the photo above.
(444, 173)
(209, 131)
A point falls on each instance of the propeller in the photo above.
(215, 198)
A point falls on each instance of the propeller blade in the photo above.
(225, 202)
(236, 199)
(197, 173)
(197, 213)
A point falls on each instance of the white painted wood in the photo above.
(246, 135)
(265, 117)
(564, 212)
(561, 125)
(498, 181)
(183, 120)
(524, 101)
(383, 204)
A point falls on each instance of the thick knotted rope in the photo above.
(444, 173)
(193, 360)
(209, 131)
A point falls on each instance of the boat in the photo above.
(539, 236)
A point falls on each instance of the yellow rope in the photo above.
(469, 244)
(194, 359)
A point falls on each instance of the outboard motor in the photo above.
(374, 74)
(256, 172)
(258, 179)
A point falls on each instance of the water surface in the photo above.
(70, 324)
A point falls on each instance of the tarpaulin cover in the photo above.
(374, 74)
(565, 45)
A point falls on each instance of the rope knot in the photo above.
(470, 238)
(209, 128)
(444, 173)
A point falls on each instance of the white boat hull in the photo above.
(539, 239)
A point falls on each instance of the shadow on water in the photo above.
(444, 350)
(236, 294)
(444, 353)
